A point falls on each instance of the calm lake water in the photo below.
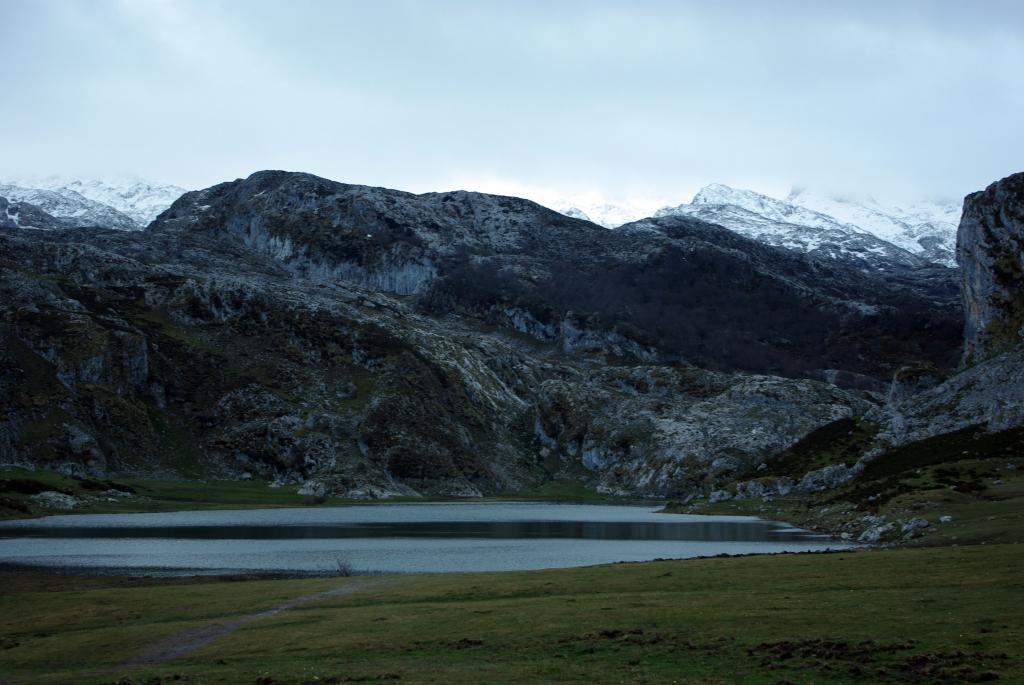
(443, 537)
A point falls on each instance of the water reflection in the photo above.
(443, 537)
(711, 531)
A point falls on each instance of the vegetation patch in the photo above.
(969, 443)
(874, 661)
(842, 441)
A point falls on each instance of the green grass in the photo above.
(975, 477)
(932, 614)
(566, 490)
(158, 320)
(161, 495)
(841, 441)
(174, 495)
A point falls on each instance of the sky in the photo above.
(634, 102)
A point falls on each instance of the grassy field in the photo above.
(910, 615)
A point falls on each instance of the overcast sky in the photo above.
(632, 101)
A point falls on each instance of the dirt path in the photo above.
(188, 641)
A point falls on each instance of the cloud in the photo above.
(624, 101)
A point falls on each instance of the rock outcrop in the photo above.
(26, 215)
(988, 392)
(990, 252)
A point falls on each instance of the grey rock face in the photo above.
(828, 478)
(719, 496)
(25, 215)
(765, 488)
(879, 533)
(990, 252)
(671, 288)
(664, 431)
(989, 394)
(165, 353)
(51, 499)
(913, 527)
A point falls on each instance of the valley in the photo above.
(284, 345)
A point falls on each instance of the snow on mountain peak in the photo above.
(717, 194)
(925, 228)
(139, 199)
(804, 221)
(721, 194)
(607, 214)
(71, 206)
(127, 203)
(810, 227)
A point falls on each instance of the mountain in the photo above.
(607, 214)
(861, 231)
(782, 224)
(986, 394)
(193, 350)
(84, 199)
(71, 207)
(139, 199)
(938, 456)
(666, 288)
(25, 215)
(925, 229)
(370, 342)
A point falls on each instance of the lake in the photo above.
(389, 538)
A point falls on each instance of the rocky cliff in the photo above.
(988, 392)
(990, 252)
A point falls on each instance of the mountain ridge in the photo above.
(126, 204)
(508, 259)
(371, 343)
(794, 226)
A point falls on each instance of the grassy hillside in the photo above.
(974, 478)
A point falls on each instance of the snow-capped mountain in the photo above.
(924, 228)
(24, 215)
(880, 241)
(72, 207)
(609, 215)
(127, 204)
(783, 224)
(139, 199)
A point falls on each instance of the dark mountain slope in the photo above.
(668, 288)
(182, 353)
